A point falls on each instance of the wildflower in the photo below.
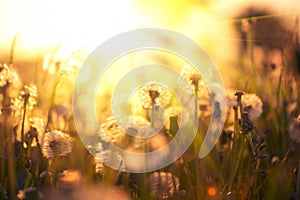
(97, 149)
(36, 129)
(7, 75)
(16, 106)
(154, 93)
(29, 94)
(27, 97)
(38, 124)
(251, 103)
(163, 185)
(191, 78)
(99, 166)
(56, 143)
(294, 129)
(110, 157)
(111, 132)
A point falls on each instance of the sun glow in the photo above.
(74, 24)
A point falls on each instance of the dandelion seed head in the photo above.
(7, 75)
(190, 75)
(190, 78)
(56, 143)
(252, 104)
(109, 157)
(29, 94)
(99, 166)
(37, 123)
(110, 131)
(98, 150)
(162, 185)
(154, 93)
(16, 104)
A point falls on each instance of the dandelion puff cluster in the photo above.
(189, 78)
(108, 156)
(7, 75)
(154, 93)
(39, 125)
(163, 185)
(110, 131)
(29, 93)
(252, 104)
(56, 143)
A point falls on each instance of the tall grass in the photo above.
(256, 157)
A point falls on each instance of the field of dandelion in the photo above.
(257, 156)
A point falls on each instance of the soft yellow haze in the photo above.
(41, 25)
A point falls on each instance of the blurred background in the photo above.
(40, 26)
(254, 44)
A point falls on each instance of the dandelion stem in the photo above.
(152, 116)
(10, 160)
(23, 128)
(196, 160)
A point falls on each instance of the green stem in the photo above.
(235, 150)
(23, 130)
(196, 160)
(152, 115)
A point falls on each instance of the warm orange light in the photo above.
(211, 191)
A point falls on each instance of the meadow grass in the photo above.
(256, 157)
